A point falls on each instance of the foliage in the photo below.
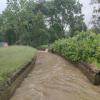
(27, 26)
(13, 58)
(85, 46)
(1, 38)
(96, 15)
(97, 55)
(63, 14)
(37, 33)
(43, 47)
(38, 23)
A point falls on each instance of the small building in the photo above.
(3, 44)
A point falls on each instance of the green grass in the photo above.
(12, 58)
(96, 64)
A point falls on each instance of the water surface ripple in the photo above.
(53, 78)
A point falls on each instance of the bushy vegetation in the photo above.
(83, 47)
(43, 47)
(13, 58)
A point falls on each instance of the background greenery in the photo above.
(83, 47)
(39, 23)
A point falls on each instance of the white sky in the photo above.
(2, 5)
(87, 9)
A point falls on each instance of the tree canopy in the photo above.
(40, 22)
(96, 16)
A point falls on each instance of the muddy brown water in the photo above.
(53, 78)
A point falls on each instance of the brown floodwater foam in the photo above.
(54, 78)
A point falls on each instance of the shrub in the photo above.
(83, 46)
(43, 47)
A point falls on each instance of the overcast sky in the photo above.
(2, 5)
(87, 10)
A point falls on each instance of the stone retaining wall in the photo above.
(8, 88)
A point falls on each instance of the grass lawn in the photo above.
(12, 58)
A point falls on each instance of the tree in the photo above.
(21, 21)
(77, 24)
(96, 15)
(1, 38)
(36, 33)
(64, 14)
(38, 23)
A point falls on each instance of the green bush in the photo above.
(85, 46)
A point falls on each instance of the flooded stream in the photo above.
(53, 78)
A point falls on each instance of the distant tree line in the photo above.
(40, 22)
(96, 15)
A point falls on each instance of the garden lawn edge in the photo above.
(8, 87)
(87, 69)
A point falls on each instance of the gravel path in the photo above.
(53, 78)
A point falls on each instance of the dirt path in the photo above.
(53, 78)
